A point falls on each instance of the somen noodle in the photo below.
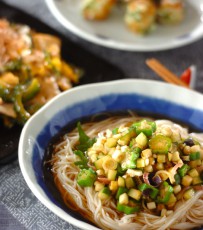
(182, 214)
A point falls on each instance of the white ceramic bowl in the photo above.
(141, 95)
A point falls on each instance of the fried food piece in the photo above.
(140, 16)
(31, 71)
(170, 12)
(97, 9)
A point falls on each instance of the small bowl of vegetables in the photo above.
(118, 154)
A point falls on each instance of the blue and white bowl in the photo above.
(150, 97)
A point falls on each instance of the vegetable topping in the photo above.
(140, 163)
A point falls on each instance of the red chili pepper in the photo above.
(186, 76)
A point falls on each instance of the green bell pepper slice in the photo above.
(120, 191)
(177, 179)
(167, 191)
(154, 191)
(183, 170)
(194, 156)
(146, 127)
(127, 209)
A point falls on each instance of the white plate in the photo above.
(114, 34)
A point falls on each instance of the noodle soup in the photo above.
(129, 172)
(45, 131)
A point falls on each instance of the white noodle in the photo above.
(187, 214)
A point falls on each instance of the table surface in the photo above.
(19, 208)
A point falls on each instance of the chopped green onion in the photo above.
(166, 192)
(177, 179)
(183, 170)
(120, 170)
(194, 156)
(120, 191)
(153, 191)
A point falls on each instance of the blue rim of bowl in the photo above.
(110, 103)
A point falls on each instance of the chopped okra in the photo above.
(160, 144)
(86, 178)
